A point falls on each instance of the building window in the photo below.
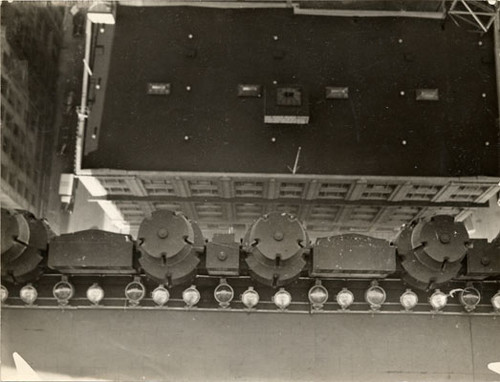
(5, 145)
(291, 209)
(378, 191)
(33, 121)
(5, 174)
(203, 188)
(468, 193)
(418, 192)
(463, 197)
(8, 120)
(319, 227)
(5, 86)
(21, 163)
(158, 187)
(112, 181)
(38, 153)
(19, 106)
(20, 187)
(334, 190)
(28, 169)
(401, 215)
(13, 154)
(322, 213)
(118, 190)
(132, 209)
(115, 186)
(209, 211)
(22, 137)
(5, 61)
(248, 210)
(12, 179)
(249, 189)
(167, 206)
(470, 189)
(291, 190)
(364, 214)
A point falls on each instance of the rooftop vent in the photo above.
(158, 88)
(427, 95)
(337, 92)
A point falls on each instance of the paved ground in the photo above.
(190, 346)
(455, 136)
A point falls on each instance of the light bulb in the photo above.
(469, 298)
(318, 295)
(191, 296)
(160, 295)
(375, 296)
(438, 300)
(495, 301)
(28, 294)
(95, 294)
(345, 298)
(223, 293)
(135, 292)
(250, 298)
(409, 300)
(63, 291)
(5, 294)
(282, 299)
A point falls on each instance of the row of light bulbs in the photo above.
(375, 296)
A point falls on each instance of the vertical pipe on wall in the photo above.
(83, 104)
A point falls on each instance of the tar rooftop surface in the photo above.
(377, 131)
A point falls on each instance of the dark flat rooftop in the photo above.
(363, 135)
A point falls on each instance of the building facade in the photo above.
(31, 40)
(326, 204)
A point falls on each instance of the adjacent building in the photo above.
(30, 42)
(352, 124)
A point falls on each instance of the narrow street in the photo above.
(68, 89)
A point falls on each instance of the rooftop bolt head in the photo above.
(278, 236)
(273, 139)
(162, 233)
(275, 38)
(188, 88)
(403, 142)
